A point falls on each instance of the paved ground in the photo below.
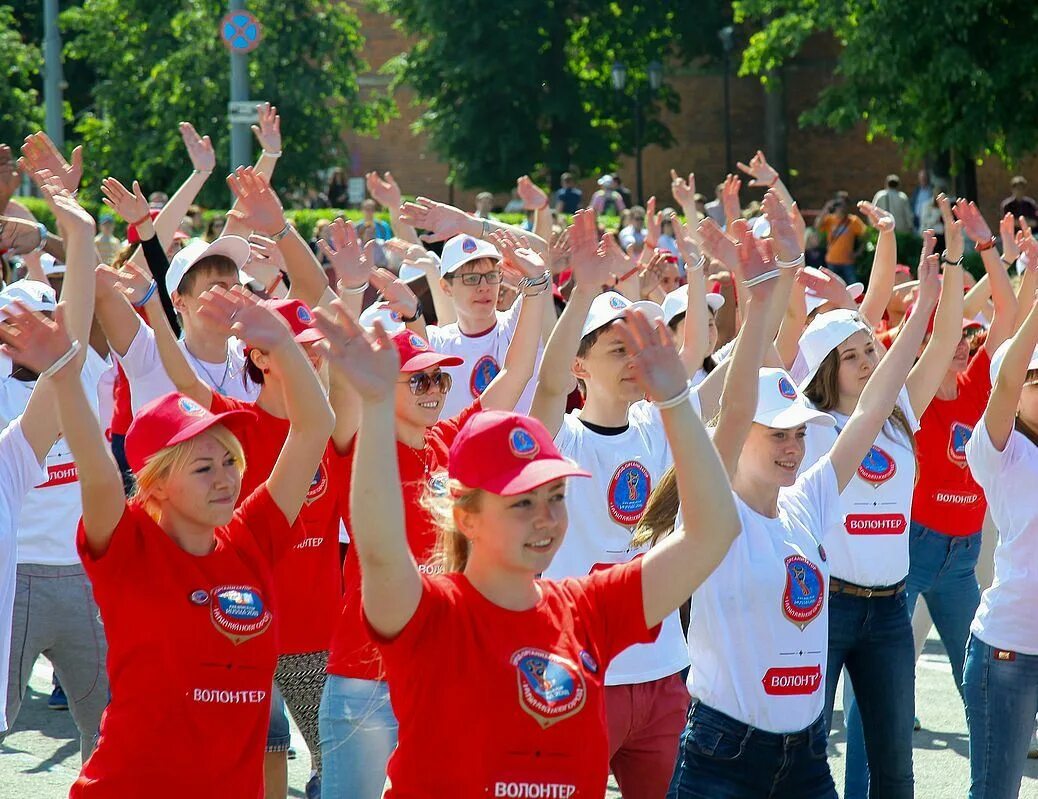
(40, 758)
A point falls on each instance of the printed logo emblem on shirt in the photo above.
(483, 374)
(318, 485)
(60, 474)
(793, 681)
(522, 443)
(875, 523)
(238, 611)
(551, 688)
(786, 388)
(468, 245)
(629, 493)
(438, 484)
(957, 440)
(805, 591)
(190, 407)
(877, 467)
(617, 302)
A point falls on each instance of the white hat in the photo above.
(610, 306)
(814, 301)
(50, 265)
(461, 249)
(234, 247)
(409, 272)
(676, 303)
(33, 294)
(606, 182)
(761, 227)
(826, 332)
(380, 311)
(998, 357)
(780, 405)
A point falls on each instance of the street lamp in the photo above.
(655, 81)
(727, 37)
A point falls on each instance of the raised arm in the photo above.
(385, 191)
(730, 200)
(418, 256)
(445, 221)
(351, 262)
(684, 192)
(674, 569)
(764, 175)
(884, 263)
(696, 334)
(268, 134)
(999, 286)
(536, 199)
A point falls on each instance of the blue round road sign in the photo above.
(241, 32)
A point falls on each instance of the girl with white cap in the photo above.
(1000, 681)
(869, 629)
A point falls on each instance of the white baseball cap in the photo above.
(409, 272)
(234, 247)
(610, 305)
(814, 301)
(50, 265)
(381, 312)
(33, 294)
(1000, 355)
(676, 303)
(461, 249)
(826, 332)
(780, 405)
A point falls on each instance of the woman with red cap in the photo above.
(184, 575)
(488, 659)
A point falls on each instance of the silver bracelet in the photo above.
(43, 238)
(763, 278)
(63, 361)
(283, 232)
(353, 291)
(678, 399)
(534, 282)
(270, 154)
(698, 265)
(789, 264)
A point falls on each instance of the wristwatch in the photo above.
(419, 312)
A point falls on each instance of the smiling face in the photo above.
(203, 486)
(206, 274)
(606, 368)
(419, 410)
(772, 455)
(476, 306)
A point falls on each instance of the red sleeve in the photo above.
(615, 597)
(979, 369)
(436, 602)
(446, 430)
(119, 551)
(222, 404)
(260, 521)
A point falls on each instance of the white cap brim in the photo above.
(1000, 355)
(715, 302)
(794, 415)
(410, 272)
(651, 310)
(234, 247)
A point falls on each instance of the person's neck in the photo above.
(204, 344)
(272, 397)
(949, 388)
(605, 411)
(846, 405)
(759, 497)
(511, 590)
(410, 434)
(472, 325)
(192, 537)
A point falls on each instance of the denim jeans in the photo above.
(1001, 693)
(721, 758)
(943, 571)
(872, 638)
(358, 733)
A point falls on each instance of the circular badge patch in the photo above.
(190, 407)
(960, 436)
(786, 389)
(617, 302)
(589, 661)
(483, 374)
(551, 688)
(468, 245)
(438, 484)
(238, 611)
(199, 597)
(629, 493)
(877, 467)
(303, 315)
(522, 444)
(804, 596)
(418, 342)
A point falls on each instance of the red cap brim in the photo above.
(426, 360)
(533, 475)
(195, 429)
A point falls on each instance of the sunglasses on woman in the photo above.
(420, 383)
(475, 278)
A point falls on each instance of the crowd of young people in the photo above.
(499, 517)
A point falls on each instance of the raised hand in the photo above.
(763, 173)
(653, 223)
(756, 258)
(717, 245)
(684, 191)
(265, 251)
(71, 217)
(952, 229)
(258, 205)
(383, 190)
(239, 313)
(1007, 232)
(268, 131)
(533, 196)
(649, 278)
(827, 287)
(559, 253)
(882, 220)
(929, 290)
(973, 223)
(39, 153)
(130, 280)
(351, 262)
(395, 292)
(590, 264)
(652, 356)
(730, 197)
(369, 362)
(687, 247)
(199, 149)
(1027, 245)
(518, 258)
(441, 220)
(784, 236)
(32, 339)
(130, 205)
(929, 244)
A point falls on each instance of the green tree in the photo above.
(937, 78)
(516, 87)
(157, 64)
(21, 105)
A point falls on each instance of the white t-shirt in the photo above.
(868, 545)
(148, 379)
(51, 511)
(19, 470)
(759, 627)
(603, 512)
(1006, 618)
(484, 355)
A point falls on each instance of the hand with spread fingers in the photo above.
(559, 252)
(827, 286)
(199, 149)
(33, 340)
(395, 292)
(39, 153)
(755, 260)
(533, 196)
(238, 313)
(716, 245)
(688, 249)
(258, 204)
(442, 221)
(268, 129)
(684, 191)
(130, 280)
(71, 217)
(730, 198)
(953, 230)
(352, 262)
(653, 223)
(972, 220)
(383, 189)
(130, 205)
(592, 269)
(1007, 232)
(652, 356)
(369, 362)
(784, 237)
(882, 220)
(518, 258)
(763, 173)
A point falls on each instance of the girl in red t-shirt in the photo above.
(487, 659)
(184, 580)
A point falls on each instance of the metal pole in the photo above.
(638, 146)
(241, 135)
(52, 77)
(727, 114)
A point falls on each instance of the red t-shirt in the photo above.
(520, 694)
(191, 656)
(353, 654)
(947, 498)
(307, 582)
(122, 414)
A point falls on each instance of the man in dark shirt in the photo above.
(1019, 204)
(568, 198)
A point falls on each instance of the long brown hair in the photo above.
(660, 514)
(452, 548)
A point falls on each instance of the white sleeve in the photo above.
(434, 336)
(19, 469)
(985, 461)
(566, 438)
(817, 493)
(144, 370)
(904, 402)
(344, 535)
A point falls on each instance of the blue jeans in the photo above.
(872, 638)
(944, 571)
(279, 734)
(1001, 702)
(358, 733)
(721, 758)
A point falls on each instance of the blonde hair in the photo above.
(661, 513)
(172, 460)
(452, 548)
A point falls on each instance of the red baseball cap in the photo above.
(416, 355)
(300, 319)
(507, 454)
(169, 420)
(132, 236)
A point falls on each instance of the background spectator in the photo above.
(1019, 204)
(922, 198)
(715, 208)
(895, 201)
(607, 200)
(842, 231)
(484, 205)
(371, 228)
(338, 194)
(568, 199)
(618, 184)
(107, 244)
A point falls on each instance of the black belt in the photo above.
(837, 586)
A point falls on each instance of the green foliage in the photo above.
(930, 75)
(511, 88)
(21, 104)
(157, 64)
